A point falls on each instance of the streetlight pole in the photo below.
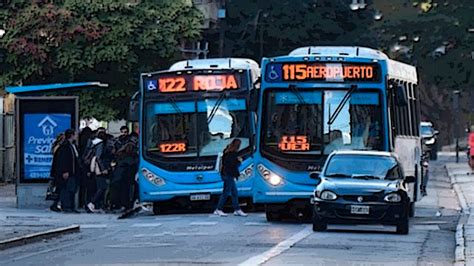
(456, 94)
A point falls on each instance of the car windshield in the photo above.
(295, 121)
(369, 166)
(195, 128)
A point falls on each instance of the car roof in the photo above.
(369, 153)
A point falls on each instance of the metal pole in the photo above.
(456, 121)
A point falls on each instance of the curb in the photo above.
(23, 240)
(459, 253)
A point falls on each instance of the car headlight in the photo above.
(246, 173)
(269, 176)
(328, 195)
(154, 179)
(393, 197)
(430, 141)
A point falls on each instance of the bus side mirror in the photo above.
(402, 98)
(134, 108)
(253, 101)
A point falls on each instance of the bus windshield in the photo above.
(296, 122)
(195, 128)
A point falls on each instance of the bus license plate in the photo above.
(357, 209)
(199, 197)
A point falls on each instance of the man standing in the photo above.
(68, 171)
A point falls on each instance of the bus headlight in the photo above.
(272, 178)
(154, 179)
(246, 173)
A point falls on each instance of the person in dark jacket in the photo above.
(67, 171)
(102, 167)
(229, 173)
(54, 170)
(123, 176)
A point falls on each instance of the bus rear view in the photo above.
(190, 113)
(315, 101)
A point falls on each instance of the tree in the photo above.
(110, 41)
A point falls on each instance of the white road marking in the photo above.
(93, 226)
(256, 224)
(428, 227)
(141, 245)
(203, 223)
(280, 248)
(168, 219)
(172, 234)
(147, 225)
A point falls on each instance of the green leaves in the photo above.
(111, 41)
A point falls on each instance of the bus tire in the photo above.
(411, 210)
(271, 214)
(156, 208)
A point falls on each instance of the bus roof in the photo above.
(395, 69)
(218, 63)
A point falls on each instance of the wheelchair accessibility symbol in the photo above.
(273, 74)
(151, 85)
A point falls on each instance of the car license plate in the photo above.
(357, 209)
(199, 197)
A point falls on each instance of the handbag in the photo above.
(52, 191)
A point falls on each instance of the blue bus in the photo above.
(320, 99)
(188, 115)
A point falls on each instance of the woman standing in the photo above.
(229, 173)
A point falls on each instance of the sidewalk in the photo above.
(25, 226)
(463, 183)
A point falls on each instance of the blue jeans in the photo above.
(229, 189)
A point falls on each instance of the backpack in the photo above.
(220, 165)
(89, 154)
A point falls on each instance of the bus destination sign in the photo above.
(174, 83)
(318, 71)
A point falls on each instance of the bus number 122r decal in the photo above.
(173, 147)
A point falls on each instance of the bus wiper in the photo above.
(341, 104)
(175, 105)
(297, 93)
(215, 107)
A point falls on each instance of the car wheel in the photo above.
(318, 224)
(403, 227)
(411, 210)
(156, 208)
(271, 214)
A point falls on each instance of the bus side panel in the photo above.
(408, 150)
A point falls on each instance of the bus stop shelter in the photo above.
(39, 119)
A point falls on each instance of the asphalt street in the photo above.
(181, 239)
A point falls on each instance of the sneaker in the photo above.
(91, 207)
(240, 213)
(220, 213)
(55, 208)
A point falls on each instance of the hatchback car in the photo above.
(361, 187)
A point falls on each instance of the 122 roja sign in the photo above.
(177, 84)
(173, 147)
(294, 143)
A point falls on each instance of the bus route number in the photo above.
(173, 147)
(173, 84)
(294, 143)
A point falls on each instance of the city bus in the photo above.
(188, 114)
(317, 100)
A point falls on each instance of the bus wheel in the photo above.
(156, 208)
(272, 214)
(411, 209)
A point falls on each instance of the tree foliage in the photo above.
(111, 41)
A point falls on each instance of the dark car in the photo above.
(361, 187)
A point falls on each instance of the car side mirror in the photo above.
(316, 177)
(410, 179)
(436, 132)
